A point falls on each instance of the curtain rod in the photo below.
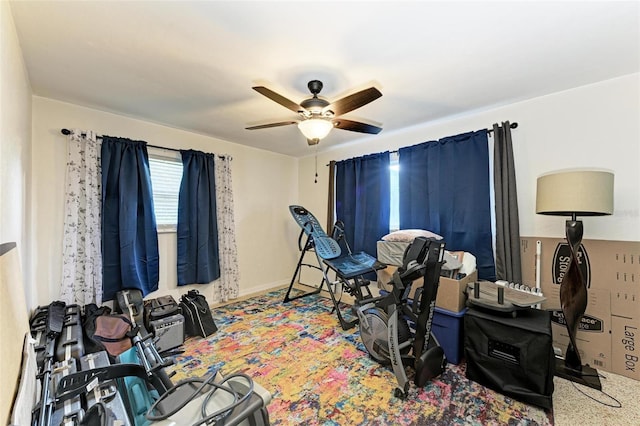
(68, 132)
(511, 126)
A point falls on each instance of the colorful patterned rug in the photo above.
(319, 374)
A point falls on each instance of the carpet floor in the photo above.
(319, 374)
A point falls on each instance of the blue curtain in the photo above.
(362, 200)
(444, 188)
(198, 259)
(129, 234)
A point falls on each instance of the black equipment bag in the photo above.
(198, 320)
(158, 308)
(513, 356)
(105, 331)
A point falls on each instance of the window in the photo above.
(166, 175)
(394, 212)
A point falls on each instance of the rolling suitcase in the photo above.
(106, 393)
(38, 328)
(70, 412)
(71, 341)
(140, 398)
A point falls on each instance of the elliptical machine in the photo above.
(385, 321)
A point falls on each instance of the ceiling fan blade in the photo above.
(278, 98)
(356, 126)
(354, 101)
(266, 126)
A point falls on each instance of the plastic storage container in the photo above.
(448, 327)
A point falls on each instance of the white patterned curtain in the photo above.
(229, 275)
(81, 252)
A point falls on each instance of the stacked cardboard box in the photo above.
(451, 295)
(609, 334)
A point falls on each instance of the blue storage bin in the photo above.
(448, 327)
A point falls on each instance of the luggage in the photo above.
(105, 394)
(161, 307)
(38, 326)
(114, 332)
(40, 336)
(136, 391)
(70, 412)
(198, 320)
(71, 341)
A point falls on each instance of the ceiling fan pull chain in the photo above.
(316, 158)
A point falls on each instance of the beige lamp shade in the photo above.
(579, 192)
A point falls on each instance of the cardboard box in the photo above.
(451, 296)
(625, 346)
(612, 272)
(610, 265)
(593, 337)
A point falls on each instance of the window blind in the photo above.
(166, 175)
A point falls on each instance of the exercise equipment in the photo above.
(398, 331)
(332, 254)
(502, 298)
(233, 400)
(148, 356)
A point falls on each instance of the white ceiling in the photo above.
(191, 65)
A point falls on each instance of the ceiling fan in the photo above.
(318, 116)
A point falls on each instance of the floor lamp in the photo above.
(575, 193)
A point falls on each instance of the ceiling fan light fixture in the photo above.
(315, 128)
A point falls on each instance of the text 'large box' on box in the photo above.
(625, 346)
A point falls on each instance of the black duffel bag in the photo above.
(198, 320)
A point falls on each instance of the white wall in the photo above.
(15, 142)
(591, 126)
(264, 185)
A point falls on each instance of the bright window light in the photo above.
(166, 175)
(394, 199)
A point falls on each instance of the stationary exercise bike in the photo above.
(398, 331)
